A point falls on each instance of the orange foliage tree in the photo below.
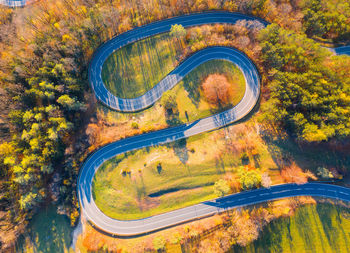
(217, 90)
(294, 174)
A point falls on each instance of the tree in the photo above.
(249, 179)
(159, 243)
(168, 100)
(69, 103)
(325, 173)
(244, 230)
(327, 19)
(221, 188)
(195, 34)
(310, 90)
(29, 200)
(176, 238)
(178, 31)
(217, 90)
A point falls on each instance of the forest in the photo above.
(45, 51)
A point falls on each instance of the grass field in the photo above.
(187, 174)
(314, 228)
(132, 70)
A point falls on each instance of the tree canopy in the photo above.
(310, 92)
(178, 31)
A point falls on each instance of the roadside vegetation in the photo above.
(310, 88)
(46, 104)
(313, 228)
(214, 234)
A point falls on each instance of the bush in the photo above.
(221, 188)
(249, 179)
(134, 125)
(159, 243)
(324, 173)
(168, 100)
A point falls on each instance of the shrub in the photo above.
(134, 125)
(221, 188)
(159, 243)
(249, 179)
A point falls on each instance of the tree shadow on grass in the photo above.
(306, 156)
(220, 165)
(141, 188)
(180, 150)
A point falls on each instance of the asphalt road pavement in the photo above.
(13, 3)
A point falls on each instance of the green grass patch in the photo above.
(47, 232)
(132, 70)
(127, 196)
(186, 177)
(313, 228)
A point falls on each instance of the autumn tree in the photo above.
(168, 100)
(310, 90)
(159, 242)
(327, 19)
(294, 174)
(249, 178)
(221, 188)
(243, 229)
(178, 31)
(217, 90)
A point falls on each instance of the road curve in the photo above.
(151, 96)
(251, 96)
(13, 3)
(342, 50)
(208, 208)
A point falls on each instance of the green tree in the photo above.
(168, 100)
(326, 19)
(159, 242)
(310, 90)
(178, 31)
(249, 179)
(221, 188)
(68, 102)
(29, 200)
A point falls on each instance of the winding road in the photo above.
(250, 98)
